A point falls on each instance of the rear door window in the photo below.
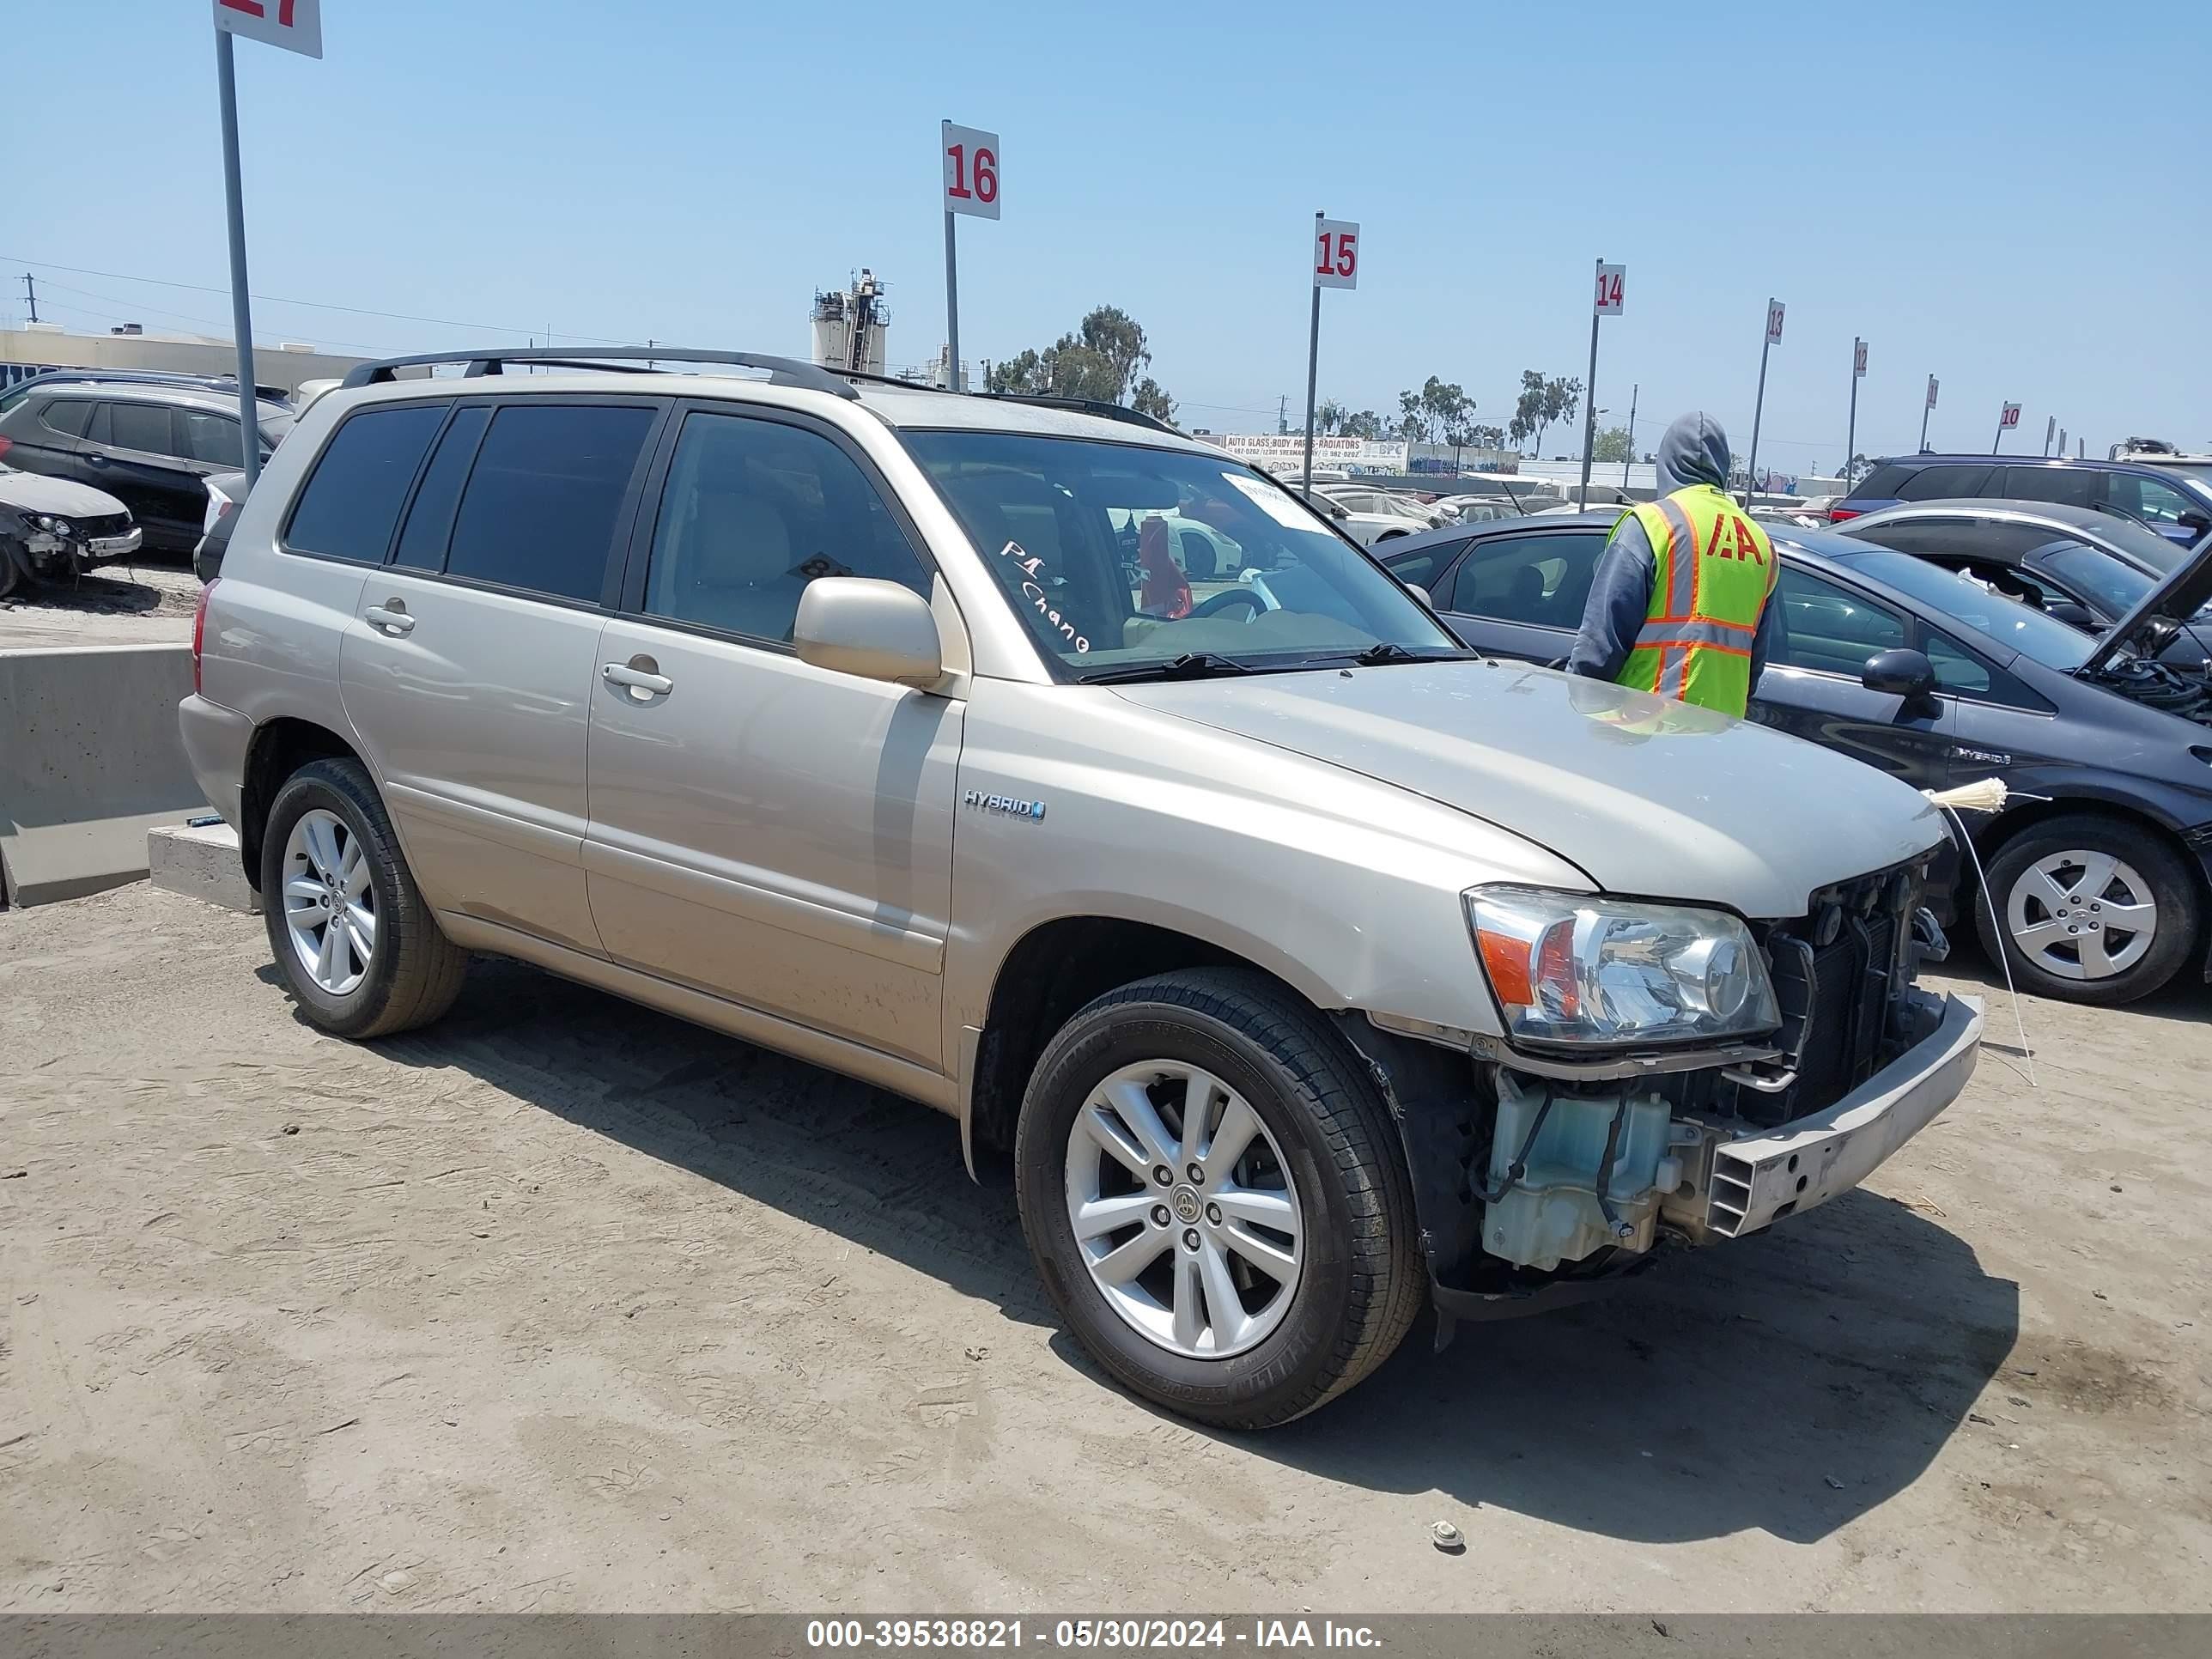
(1541, 578)
(540, 507)
(2071, 486)
(211, 437)
(143, 427)
(1936, 483)
(352, 501)
(1427, 568)
(67, 415)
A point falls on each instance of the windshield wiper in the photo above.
(1191, 665)
(1384, 651)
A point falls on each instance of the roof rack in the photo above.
(267, 394)
(781, 370)
(1098, 407)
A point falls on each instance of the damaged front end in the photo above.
(1544, 1170)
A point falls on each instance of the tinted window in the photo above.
(1935, 483)
(540, 506)
(1882, 484)
(353, 499)
(1957, 669)
(1422, 569)
(1831, 628)
(143, 427)
(2114, 588)
(2074, 486)
(752, 511)
(67, 415)
(430, 520)
(211, 437)
(2013, 626)
(1542, 580)
(2158, 505)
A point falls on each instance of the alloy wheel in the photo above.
(330, 903)
(2082, 914)
(1183, 1209)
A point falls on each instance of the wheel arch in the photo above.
(1052, 971)
(279, 748)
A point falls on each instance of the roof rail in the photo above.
(781, 370)
(1096, 406)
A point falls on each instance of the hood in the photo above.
(1648, 796)
(2177, 600)
(1693, 451)
(33, 492)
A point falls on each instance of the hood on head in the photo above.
(1694, 450)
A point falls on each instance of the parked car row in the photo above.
(2171, 495)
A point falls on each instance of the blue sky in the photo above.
(2008, 197)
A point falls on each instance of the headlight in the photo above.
(54, 526)
(1577, 968)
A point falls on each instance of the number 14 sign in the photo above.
(1336, 253)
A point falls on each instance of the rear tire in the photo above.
(2087, 953)
(326, 823)
(1324, 1159)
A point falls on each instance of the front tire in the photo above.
(1286, 1269)
(353, 937)
(2089, 909)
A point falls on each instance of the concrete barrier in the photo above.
(89, 760)
(201, 861)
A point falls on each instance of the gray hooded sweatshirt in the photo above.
(1694, 450)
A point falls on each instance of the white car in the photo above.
(52, 529)
(1368, 516)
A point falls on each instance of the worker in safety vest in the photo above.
(1677, 605)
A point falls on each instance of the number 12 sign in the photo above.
(971, 171)
(1336, 253)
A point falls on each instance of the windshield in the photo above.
(1122, 557)
(2004, 622)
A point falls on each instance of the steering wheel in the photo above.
(1223, 600)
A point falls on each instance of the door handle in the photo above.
(392, 617)
(93, 458)
(640, 676)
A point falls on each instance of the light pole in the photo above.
(1630, 453)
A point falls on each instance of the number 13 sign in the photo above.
(1336, 253)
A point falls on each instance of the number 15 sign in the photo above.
(971, 171)
(1336, 253)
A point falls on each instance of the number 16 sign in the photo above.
(971, 171)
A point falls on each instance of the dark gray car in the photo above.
(151, 446)
(2101, 866)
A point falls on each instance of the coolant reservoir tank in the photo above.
(1551, 1215)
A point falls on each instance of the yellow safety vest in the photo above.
(1714, 569)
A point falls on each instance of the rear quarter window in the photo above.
(67, 415)
(361, 481)
(1882, 484)
(1938, 483)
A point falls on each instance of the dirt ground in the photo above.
(564, 1305)
(126, 603)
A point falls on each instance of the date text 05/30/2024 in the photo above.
(1114, 1635)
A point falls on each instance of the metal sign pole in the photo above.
(1851, 427)
(1629, 455)
(1313, 371)
(1999, 438)
(1590, 404)
(1926, 405)
(952, 307)
(1757, 412)
(241, 305)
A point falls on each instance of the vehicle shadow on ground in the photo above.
(108, 595)
(1790, 1382)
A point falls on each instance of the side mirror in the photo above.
(2072, 614)
(1422, 594)
(877, 630)
(1901, 673)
